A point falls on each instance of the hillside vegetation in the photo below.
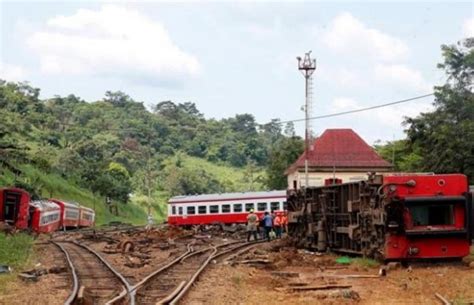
(83, 151)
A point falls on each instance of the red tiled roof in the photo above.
(341, 148)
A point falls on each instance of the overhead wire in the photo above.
(359, 110)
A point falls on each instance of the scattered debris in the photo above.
(5, 269)
(343, 260)
(7, 229)
(285, 274)
(442, 299)
(323, 287)
(28, 277)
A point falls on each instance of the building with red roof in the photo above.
(337, 153)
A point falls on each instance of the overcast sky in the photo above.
(238, 57)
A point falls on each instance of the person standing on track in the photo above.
(277, 224)
(268, 223)
(252, 221)
(284, 221)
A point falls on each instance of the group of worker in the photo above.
(271, 225)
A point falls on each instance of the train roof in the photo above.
(227, 196)
(87, 209)
(44, 205)
(66, 203)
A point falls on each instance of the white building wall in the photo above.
(317, 178)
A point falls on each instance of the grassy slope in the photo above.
(226, 174)
(15, 252)
(53, 185)
(230, 176)
(57, 187)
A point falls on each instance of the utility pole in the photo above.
(307, 66)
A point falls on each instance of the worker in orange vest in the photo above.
(277, 225)
(284, 221)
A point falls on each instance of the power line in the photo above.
(359, 110)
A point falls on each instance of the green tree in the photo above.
(444, 138)
(282, 155)
(400, 154)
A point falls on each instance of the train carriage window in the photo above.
(191, 210)
(249, 206)
(180, 210)
(285, 205)
(432, 215)
(226, 208)
(202, 209)
(237, 208)
(173, 210)
(274, 206)
(213, 209)
(261, 206)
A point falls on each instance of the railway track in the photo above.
(169, 283)
(95, 281)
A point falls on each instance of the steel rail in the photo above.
(190, 252)
(127, 288)
(214, 255)
(247, 244)
(186, 287)
(75, 284)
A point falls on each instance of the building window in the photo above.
(173, 210)
(295, 184)
(285, 205)
(191, 210)
(213, 209)
(261, 206)
(180, 210)
(226, 208)
(248, 207)
(202, 209)
(275, 206)
(237, 208)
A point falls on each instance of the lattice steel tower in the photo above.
(307, 66)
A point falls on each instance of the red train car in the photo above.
(436, 216)
(14, 207)
(86, 217)
(70, 213)
(45, 216)
(392, 217)
(225, 208)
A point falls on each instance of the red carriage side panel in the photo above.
(435, 216)
(70, 213)
(14, 207)
(45, 216)
(87, 217)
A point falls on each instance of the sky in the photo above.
(234, 57)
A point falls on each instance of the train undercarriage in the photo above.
(391, 218)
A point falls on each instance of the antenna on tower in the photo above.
(307, 66)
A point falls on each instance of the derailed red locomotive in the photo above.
(391, 217)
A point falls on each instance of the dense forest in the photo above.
(116, 147)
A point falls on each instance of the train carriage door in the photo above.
(10, 207)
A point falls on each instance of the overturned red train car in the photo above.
(42, 216)
(14, 207)
(392, 217)
(45, 216)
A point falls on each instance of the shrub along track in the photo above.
(95, 281)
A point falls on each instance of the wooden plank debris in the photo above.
(324, 287)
